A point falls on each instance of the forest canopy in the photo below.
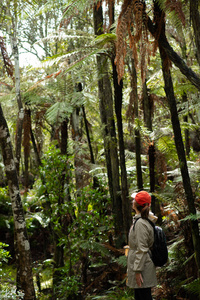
(98, 99)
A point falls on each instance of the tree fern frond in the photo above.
(103, 39)
(174, 8)
(65, 36)
(191, 217)
(93, 246)
(59, 111)
(47, 6)
(66, 66)
(75, 7)
(7, 62)
(122, 260)
(193, 287)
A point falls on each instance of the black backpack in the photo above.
(159, 252)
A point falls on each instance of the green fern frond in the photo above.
(93, 246)
(122, 260)
(58, 111)
(66, 36)
(173, 9)
(103, 39)
(48, 6)
(193, 287)
(74, 7)
(192, 217)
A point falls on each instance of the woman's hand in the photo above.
(139, 279)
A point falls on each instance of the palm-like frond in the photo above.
(7, 61)
(193, 287)
(174, 9)
(93, 246)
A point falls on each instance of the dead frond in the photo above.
(7, 62)
(132, 20)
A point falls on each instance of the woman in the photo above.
(141, 270)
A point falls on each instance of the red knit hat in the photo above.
(142, 198)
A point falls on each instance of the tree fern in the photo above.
(193, 287)
(92, 246)
(174, 9)
(192, 217)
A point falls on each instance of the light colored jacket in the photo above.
(141, 239)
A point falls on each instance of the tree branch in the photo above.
(174, 57)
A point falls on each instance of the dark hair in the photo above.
(144, 210)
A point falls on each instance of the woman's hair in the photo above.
(144, 210)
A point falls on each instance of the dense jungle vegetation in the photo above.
(98, 99)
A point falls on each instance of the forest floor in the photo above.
(110, 277)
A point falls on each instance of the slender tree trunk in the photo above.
(118, 95)
(137, 131)
(151, 151)
(109, 135)
(18, 96)
(195, 17)
(37, 155)
(24, 253)
(169, 90)
(126, 205)
(187, 133)
(59, 248)
(64, 136)
(95, 179)
(76, 135)
(26, 144)
(147, 107)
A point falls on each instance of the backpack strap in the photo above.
(150, 222)
(136, 222)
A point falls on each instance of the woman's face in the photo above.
(134, 206)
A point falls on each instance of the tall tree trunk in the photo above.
(151, 153)
(37, 155)
(137, 130)
(195, 17)
(95, 179)
(187, 133)
(26, 144)
(18, 94)
(109, 135)
(76, 135)
(126, 207)
(118, 95)
(58, 247)
(24, 253)
(147, 107)
(169, 90)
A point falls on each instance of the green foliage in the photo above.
(4, 255)
(5, 202)
(122, 260)
(7, 288)
(193, 287)
(9, 293)
(115, 293)
(68, 288)
(191, 217)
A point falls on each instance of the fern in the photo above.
(7, 62)
(192, 217)
(193, 287)
(59, 111)
(75, 7)
(92, 246)
(122, 260)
